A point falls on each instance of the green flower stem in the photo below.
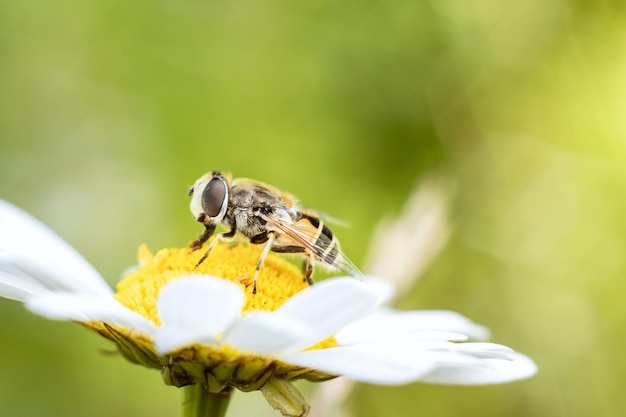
(200, 403)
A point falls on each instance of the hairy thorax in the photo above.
(246, 204)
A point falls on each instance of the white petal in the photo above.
(403, 337)
(196, 309)
(485, 350)
(43, 277)
(25, 240)
(264, 333)
(170, 338)
(67, 306)
(16, 284)
(324, 308)
(387, 324)
(384, 289)
(378, 364)
(490, 371)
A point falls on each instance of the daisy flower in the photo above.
(204, 330)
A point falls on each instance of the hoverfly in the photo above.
(264, 215)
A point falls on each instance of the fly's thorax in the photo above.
(246, 221)
(248, 202)
(251, 195)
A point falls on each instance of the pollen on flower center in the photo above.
(278, 279)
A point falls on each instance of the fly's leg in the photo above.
(266, 249)
(208, 250)
(307, 263)
(307, 269)
(208, 232)
(218, 237)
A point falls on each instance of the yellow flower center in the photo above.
(278, 279)
(215, 367)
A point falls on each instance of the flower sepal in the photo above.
(218, 369)
(133, 348)
(290, 372)
(284, 397)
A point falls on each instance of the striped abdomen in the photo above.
(326, 246)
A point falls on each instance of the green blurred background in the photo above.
(109, 110)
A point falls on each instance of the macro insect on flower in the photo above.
(265, 215)
(206, 332)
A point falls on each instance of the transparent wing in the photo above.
(306, 235)
(328, 218)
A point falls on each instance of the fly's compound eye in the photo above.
(214, 197)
